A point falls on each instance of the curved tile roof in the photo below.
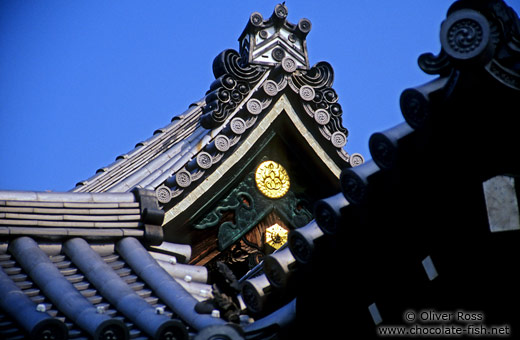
(76, 265)
(96, 289)
(53, 284)
(244, 92)
(147, 157)
(411, 232)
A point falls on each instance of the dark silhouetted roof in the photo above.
(430, 222)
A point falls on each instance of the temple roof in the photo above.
(417, 226)
(67, 214)
(424, 225)
(93, 263)
(245, 99)
(69, 260)
(152, 160)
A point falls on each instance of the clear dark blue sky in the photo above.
(82, 82)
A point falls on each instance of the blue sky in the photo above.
(82, 82)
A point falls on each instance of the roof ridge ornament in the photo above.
(242, 94)
(478, 34)
(273, 56)
(275, 40)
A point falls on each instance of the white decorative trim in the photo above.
(283, 105)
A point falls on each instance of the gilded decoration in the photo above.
(272, 179)
(276, 236)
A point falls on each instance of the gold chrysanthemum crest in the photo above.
(272, 179)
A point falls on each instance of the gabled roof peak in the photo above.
(268, 42)
(180, 156)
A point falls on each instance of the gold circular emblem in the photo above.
(272, 179)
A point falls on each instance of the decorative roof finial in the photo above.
(268, 42)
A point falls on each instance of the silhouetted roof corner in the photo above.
(426, 212)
